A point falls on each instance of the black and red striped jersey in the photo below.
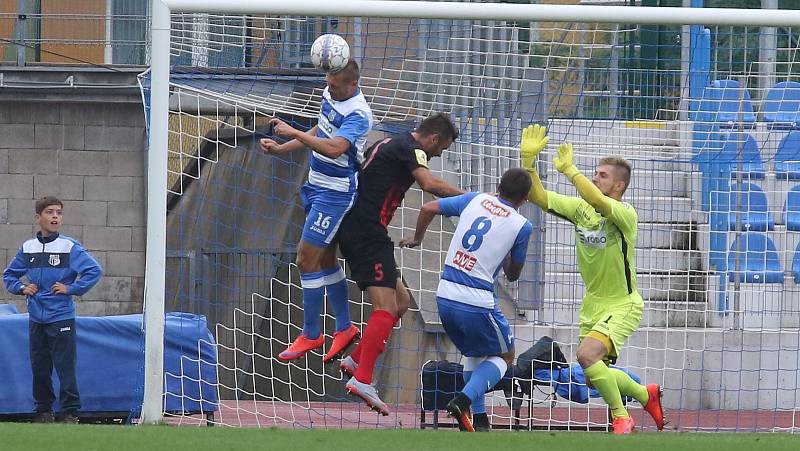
(385, 176)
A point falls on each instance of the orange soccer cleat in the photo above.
(653, 406)
(300, 346)
(622, 426)
(341, 340)
(459, 408)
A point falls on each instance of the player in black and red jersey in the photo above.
(391, 166)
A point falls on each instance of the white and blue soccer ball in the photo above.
(330, 53)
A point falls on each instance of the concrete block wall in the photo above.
(88, 149)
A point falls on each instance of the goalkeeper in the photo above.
(605, 238)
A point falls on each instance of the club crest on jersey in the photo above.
(495, 209)
(54, 260)
(332, 115)
(422, 157)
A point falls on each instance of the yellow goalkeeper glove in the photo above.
(564, 161)
(534, 139)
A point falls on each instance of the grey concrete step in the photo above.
(565, 312)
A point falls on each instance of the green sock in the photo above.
(628, 387)
(605, 382)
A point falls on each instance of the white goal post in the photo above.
(154, 295)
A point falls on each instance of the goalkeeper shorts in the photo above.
(616, 319)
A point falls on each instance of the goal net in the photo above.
(707, 115)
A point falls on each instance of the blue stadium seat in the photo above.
(796, 264)
(745, 206)
(721, 104)
(781, 106)
(752, 166)
(791, 209)
(757, 257)
(787, 157)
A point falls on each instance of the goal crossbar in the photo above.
(497, 11)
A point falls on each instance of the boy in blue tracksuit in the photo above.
(52, 263)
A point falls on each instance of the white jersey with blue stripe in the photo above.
(488, 230)
(351, 119)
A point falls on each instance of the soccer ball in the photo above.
(330, 53)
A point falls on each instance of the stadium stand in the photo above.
(745, 207)
(754, 258)
(787, 157)
(721, 104)
(781, 106)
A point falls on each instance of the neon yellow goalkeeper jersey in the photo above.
(605, 246)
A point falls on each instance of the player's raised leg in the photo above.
(373, 343)
(649, 396)
(318, 267)
(485, 338)
(338, 297)
(313, 284)
(591, 353)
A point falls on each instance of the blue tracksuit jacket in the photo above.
(56, 258)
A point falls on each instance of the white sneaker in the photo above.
(348, 366)
(368, 393)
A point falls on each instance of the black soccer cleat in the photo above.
(480, 421)
(458, 408)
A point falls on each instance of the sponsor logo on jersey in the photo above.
(495, 209)
(326, 127)
(464, 260)
(422, 157)
(54, 260)
(592, 238)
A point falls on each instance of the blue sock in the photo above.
(485, 376)
(336, 284)
(313, 284)
(478, 405)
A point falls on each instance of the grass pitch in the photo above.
(30, 437)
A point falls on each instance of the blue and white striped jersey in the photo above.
(352, 120)
(487, 231)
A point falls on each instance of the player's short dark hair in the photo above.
(438, 123)
(622, 169)
(515, 184)
(45, 202)
(350, 72)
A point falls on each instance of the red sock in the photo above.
(356, 355)
(373, 342)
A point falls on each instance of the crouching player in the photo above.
(491, 234)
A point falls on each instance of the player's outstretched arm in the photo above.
(586, 189)
(434, 185)
(270, 146)
(534, 139)
(330, 147)
(428, 211)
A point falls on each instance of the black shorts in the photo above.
(369, 252)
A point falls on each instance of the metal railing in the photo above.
(68, 32)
